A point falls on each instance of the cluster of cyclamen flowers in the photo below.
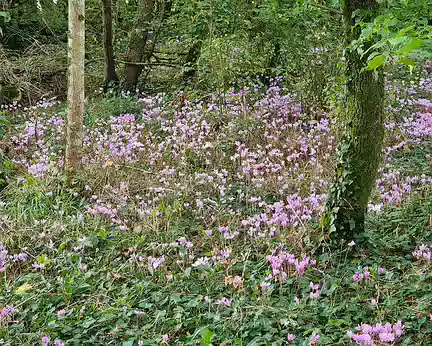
(370, 335)
(315, 290)
(5, 258)
(394, 188)
(365, 274)
(7, 312)
(279, 265)
(423, 253)
(46, 341)
(273, 149)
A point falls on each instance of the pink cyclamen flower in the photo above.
(61, 313)
(366, 273)
(165, 338)
(386, 337)
(45, 340)
(380, 270)
(315, 339)
(291, 337)
(224, 301)
(358, 277)
(361, 339)
(265, 285)
(58, 343)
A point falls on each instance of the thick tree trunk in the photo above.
(360, 148)
(111, 78)
(138, 39)
(75, 88)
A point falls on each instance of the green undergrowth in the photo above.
(115, 300)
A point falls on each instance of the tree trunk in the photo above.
(191, 60)
(111, 78)
(138, 39)
(75, 88)
(360, 148)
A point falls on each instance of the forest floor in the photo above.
(196, 222)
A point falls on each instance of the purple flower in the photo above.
(316, 293)
(386, 337)
(366, 273)
(315, 339)
(291, 337)
(398, 328)
(358, 277)
(60, 313)
(225, 301)
(45, 340)
(264, 286)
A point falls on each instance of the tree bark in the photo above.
(191, 60)
(111, 78)
(74, 133)
(137, 43)
(360, 148)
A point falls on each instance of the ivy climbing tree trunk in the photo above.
(74, 133)
(138, 39)
(360, 148)
(111, 78)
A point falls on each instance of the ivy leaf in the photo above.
(415, 43)
(376, 62)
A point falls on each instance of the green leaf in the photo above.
(4, 121)
(397, 40)
(415, 43)
(407, 61)
(376, 62)
(206, 336)
(5, 15)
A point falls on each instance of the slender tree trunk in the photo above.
(111, 78)
(75, 88)
(167, 9)
(360, 148)
(191, 60)
(138, 39)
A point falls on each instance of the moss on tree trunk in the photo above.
(360, 148)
